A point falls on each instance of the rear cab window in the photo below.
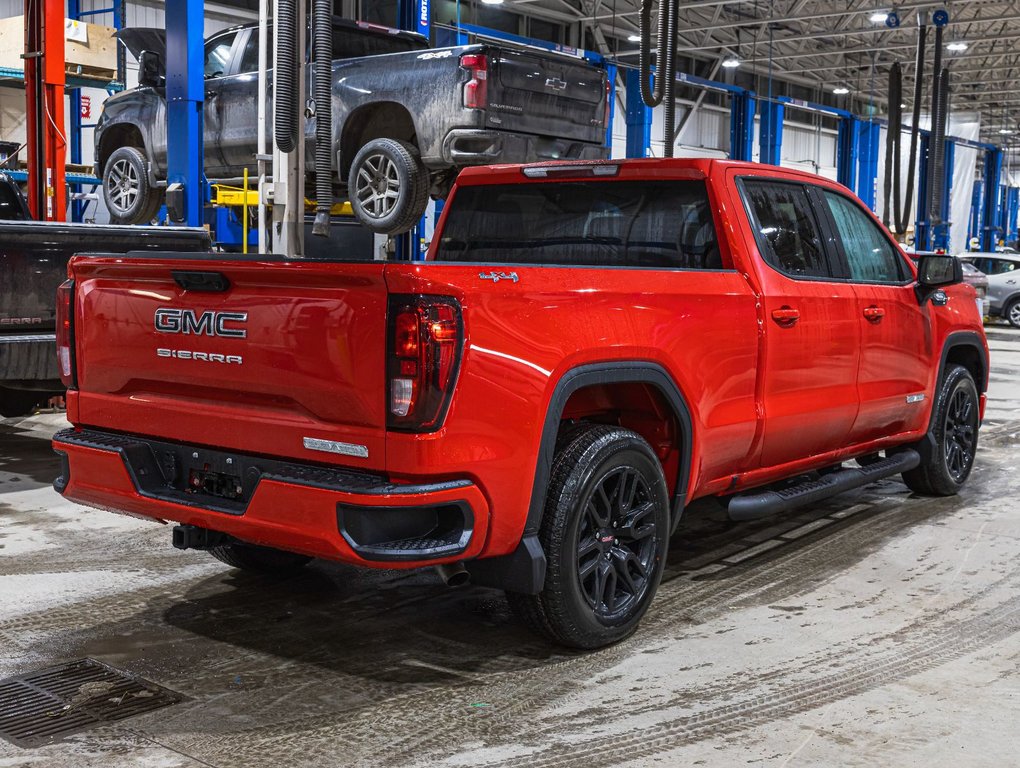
(619, 223)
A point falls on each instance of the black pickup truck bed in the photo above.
(33, 263)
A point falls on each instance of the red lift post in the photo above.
(44, 107)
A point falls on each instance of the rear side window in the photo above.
(790, 235)
(869, 254)
(653, 224)
(217, 55)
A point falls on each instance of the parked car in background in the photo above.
(1003, 272)
(406, 118)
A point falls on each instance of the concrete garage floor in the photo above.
(876, 629)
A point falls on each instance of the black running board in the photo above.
(751, 506)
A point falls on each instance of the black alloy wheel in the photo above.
(948, 452)
(616, 544)
(960, 432)
(604, 532)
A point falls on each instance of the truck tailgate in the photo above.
(279, 356)
(537, 93)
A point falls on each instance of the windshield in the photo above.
(652, 224)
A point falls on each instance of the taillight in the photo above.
(65, 333)
(476, 89)
(425, 339)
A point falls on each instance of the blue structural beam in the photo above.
(185, 92)
(770, 132)
(940, 231)
(1012, 210)
(867, 174)
(848, 138)
(611, 104)
(639, 118)
(990, 203)
(976, 206)
(742, 126)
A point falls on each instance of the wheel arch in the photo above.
(966, 348)
(378, 120)
(117, 135)
(600, 375)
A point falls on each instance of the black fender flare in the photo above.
(616, 372)
(523, 570)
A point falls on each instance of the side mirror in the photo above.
(936, 271)
(150, 70)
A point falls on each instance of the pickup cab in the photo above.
(588, 348)
(406, 118)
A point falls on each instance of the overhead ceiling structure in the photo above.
(831, 46)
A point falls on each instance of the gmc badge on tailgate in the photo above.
(209, 323)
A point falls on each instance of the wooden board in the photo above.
(95, 57)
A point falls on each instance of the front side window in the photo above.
(790, 236)
(651, 224)
(870, 255)
(217, 55)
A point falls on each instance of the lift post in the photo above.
(639, 117)
(770, 132)
(185, 96)
(990, 203)
(742, 125)
(941, 223)
(44, 108)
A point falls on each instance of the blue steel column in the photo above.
(974, 226)
(639, 118)
(185, 92)
(867, 168)
(74, 139)
(1012, 211)
(848, 136)
(770, 132)
(940, 231)
(742, 125)
(922, 234)
(990, 203)
(414, 16)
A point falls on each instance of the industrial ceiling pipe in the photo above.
(903, 207)
(322, 53)
(659, 89)
(285, 87)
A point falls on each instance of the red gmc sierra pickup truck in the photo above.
(587, 348)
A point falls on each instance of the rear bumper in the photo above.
(318, 511)
(468, 146)
(29, 357)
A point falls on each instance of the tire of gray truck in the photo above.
(388, 186)
(251, 557)
(126, 190)
(604, 532)
(19, 402)
(954, 431)
(1012, 313)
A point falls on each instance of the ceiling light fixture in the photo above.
(957, 45)
(879, 17)
(633, 38)
(492, 2)
(731, 62)
(841, 90)
(1006, 131)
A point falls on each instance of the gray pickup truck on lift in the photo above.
(406, 118)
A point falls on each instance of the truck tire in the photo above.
(251, 557)
(1012, 312)
(126, 190)
(605, 534)
(954, 432)
(388, 186)
(19, 402)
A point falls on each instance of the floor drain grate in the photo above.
(40, 707)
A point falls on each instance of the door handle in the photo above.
(1011, 282)
(874, 314)
(786, 316)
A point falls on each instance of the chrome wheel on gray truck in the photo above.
(126, 190)
(604, 533)
(388, 186)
